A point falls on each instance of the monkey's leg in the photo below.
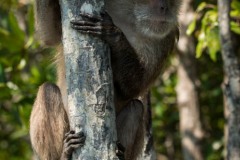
(48, 125)
(130, 128)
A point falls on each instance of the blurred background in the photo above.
(188, 108)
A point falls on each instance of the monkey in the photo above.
(141, 35)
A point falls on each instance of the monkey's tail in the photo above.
(48, 123)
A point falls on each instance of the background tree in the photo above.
(232, 83)
(187, 93)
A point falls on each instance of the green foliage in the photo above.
(207, 33)
(211, 106)
(165, 114)
(22, 70)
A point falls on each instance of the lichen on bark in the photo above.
(89, 84)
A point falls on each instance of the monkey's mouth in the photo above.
(155, 27)
(156, 23)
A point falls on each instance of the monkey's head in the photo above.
(156, 18)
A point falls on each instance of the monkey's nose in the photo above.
(163, 10)
(163, 6)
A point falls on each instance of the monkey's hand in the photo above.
(101, 26)
(120, 151)
(71, 142)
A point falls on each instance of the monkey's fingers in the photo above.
(70, 132)
(91, 17)
(74, 142)
(82, 23)
(97, 30)
(67, 151)
(103, 18)
(71, 148)
(88, 28)
(73, 135)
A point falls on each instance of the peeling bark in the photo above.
(232, 83)
(89, 84)
(187, 95)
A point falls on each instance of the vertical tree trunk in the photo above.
(89, 84)
(232, 84)
(148, 152)
(187, 95)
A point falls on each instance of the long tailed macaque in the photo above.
(141, 34)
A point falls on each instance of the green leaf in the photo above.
(2, 74)
(30, 20)
(235, 27)
(201, 6)
(212, 16)
(235, 13)
(14, 27)
(213, 43)
(191, 27)
(199, 49)
(235, 5)
(16, 34)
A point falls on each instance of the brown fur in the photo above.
(47, 130)
(137, 59)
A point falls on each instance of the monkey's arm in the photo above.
(49, 126)
(48, 21)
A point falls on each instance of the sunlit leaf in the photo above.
(201, 6)
(213, 43)
(22, 64)
(235, 13)
(191, 27)
(199, 49)
(212, 16)
(235, 27)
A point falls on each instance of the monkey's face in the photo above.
(156, 18)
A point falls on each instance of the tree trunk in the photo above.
(89, 84)
(232, 84)
(187, 95)
(148, 152)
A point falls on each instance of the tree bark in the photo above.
(187, 95)
(232, 84)
(89, 84)
(148, 152)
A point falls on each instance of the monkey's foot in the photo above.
(120, 151)
(96, 25)
(71, 142)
